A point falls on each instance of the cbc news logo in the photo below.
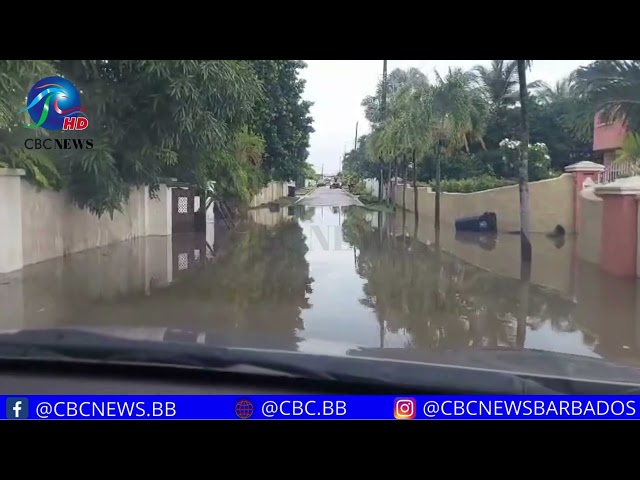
(404, 408)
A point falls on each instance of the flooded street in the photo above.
(335, 277)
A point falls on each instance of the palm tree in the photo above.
(523, 172)
(560, 90)
(375, 148)
(498, 83)
(417, 119)
(389, 140)
(396, 135)
(402, 114)
(612, 88)
(377, 106)
(455, 117)
(396, 80)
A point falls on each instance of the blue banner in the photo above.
(314, 407)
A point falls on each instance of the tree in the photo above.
(282, 118)
(611, 88)
(396, 80)
(375, 105)
(498, 87)
(523, 173)
(358, 162)
(198, 121)
(498, 84)
(558, 118)
(155, 118)
(16, 77)
(457, 116)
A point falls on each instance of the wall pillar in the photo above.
(582, 171)
(619, 226)
(10, 219)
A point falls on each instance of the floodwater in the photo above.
(337, 277)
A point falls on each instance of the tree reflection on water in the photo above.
(258, 284)
(442, 301)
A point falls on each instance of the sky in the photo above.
(338, 86)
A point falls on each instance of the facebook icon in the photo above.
(17, 408)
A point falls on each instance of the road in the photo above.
(328, 197)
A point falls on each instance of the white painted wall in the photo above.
(38, 225)
(10, 220)
(52, 226)
(159, 212)
(273, 191)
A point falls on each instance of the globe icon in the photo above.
(244, 409)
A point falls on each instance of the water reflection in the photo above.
(258, 284)
(331, 278)
(441, 301)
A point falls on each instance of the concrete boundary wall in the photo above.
(604, 216)
(551, 204)
(272, 192)
(38, 225)
(589, 241)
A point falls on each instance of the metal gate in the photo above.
(190, 252)
(183, 218)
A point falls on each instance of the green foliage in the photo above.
(368, 199)
(491, 161)
(238, 171)
(195, 120)
(563, 121)
(457, 166)
(309, 171)
(475, 184)
(16, 78)
(358, 163)
(460, 119)
(539, 159)
(37, 165)
(397, 79)
(282, 117)
(350, 178)
(630, 151)
(611, 88)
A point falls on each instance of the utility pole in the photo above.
(383, 112)
(355, 142)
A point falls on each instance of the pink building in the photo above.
(607, 138)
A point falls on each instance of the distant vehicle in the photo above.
(335, 184)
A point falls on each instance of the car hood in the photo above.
(507, 360)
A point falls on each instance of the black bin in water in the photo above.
(292, 191)
(487, 222)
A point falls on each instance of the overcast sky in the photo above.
(338, 86)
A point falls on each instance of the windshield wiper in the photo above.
(78, 345)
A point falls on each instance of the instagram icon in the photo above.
(404, 408)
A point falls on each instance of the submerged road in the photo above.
(328, 197)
